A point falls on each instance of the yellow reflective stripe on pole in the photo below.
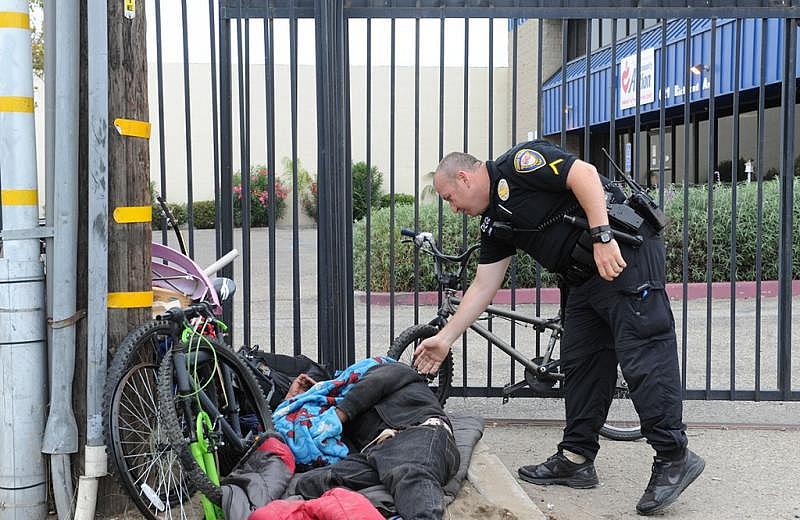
(133, 128)
(14, 20)
(130, 300)
(20, 197)
(133, 214)
(16, 104)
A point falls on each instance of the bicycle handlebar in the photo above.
(177, 315)
(445, 279)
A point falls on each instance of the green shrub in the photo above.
(746, 230)
(399, 199)
(360, 185)
(205, 214)
(259, 197)
(452, 243)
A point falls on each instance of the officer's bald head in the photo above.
(453, 163)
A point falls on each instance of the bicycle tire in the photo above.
(148, 468)
(628, 428)
(172, 423)
(143, 345)
(402, 350)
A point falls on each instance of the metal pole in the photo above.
(336, 319)
(22, 314)
(95, 455)
(60, 464)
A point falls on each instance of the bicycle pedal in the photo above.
(509, 390)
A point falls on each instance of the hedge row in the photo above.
(204, 215)
(453, 239)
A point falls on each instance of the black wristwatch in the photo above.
(601, 234)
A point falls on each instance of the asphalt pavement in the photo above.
(751, 448)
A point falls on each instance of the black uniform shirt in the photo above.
(528, 190)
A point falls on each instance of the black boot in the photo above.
(560, 470)
(669, 479)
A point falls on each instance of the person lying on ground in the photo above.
(399, 434)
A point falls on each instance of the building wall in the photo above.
(404, 167)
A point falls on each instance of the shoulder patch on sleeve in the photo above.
(527, 160)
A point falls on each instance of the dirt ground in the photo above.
(471, 505)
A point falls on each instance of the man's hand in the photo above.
(300, 384)
(341, 415)
(430, 354)
(609, 260)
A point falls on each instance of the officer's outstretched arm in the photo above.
(585, 184)
(488, 279)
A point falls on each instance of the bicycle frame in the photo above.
(450, 304)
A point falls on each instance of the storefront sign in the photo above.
(627, 79)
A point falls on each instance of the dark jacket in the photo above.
(391, 395)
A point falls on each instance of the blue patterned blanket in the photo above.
(308, 422)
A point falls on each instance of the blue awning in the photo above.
(699, 88)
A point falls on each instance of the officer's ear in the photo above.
(464, 177)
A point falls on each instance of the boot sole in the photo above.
(691, 477)
(574, 484)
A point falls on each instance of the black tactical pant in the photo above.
(413, 465)
(626, 321)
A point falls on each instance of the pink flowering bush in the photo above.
(260, 181)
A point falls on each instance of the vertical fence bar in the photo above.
(368, 248)
(513, 278)
(687, 59)
(440, 217)
(269, 102)
(244, 161)
(347, 189)
(160, 89)
(297, 339)
(465, 149)
(490, 116)
(612, 123)
(335, 280)
(564, 30)
(587, 98)
(215, 124)
(734, 181)
(392, 78)
(226, 156)
(662, 114)
(637, 119)
(760, 200)
(416, 166)
(539, 127)
(712, 161)
(788, 97)
(187, 118)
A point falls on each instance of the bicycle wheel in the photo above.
(403, 348)
(142, 458)
(148, 467)
(207, 364)
(622, 422)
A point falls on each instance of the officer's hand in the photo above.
(609, 260)
(430, 354)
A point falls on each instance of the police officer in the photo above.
(615, 306)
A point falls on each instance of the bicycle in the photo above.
(146, 465)
(542, 374)
(213, 409)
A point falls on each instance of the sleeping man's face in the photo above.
(300, 384)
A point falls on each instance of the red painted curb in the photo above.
(695, 291)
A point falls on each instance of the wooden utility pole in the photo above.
(128, 185)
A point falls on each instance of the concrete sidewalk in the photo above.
(750, 472)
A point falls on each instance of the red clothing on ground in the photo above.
(335, 504)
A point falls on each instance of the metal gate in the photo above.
(708, 126)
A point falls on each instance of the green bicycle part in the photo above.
(205, 459)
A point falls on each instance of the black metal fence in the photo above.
(399, 84)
